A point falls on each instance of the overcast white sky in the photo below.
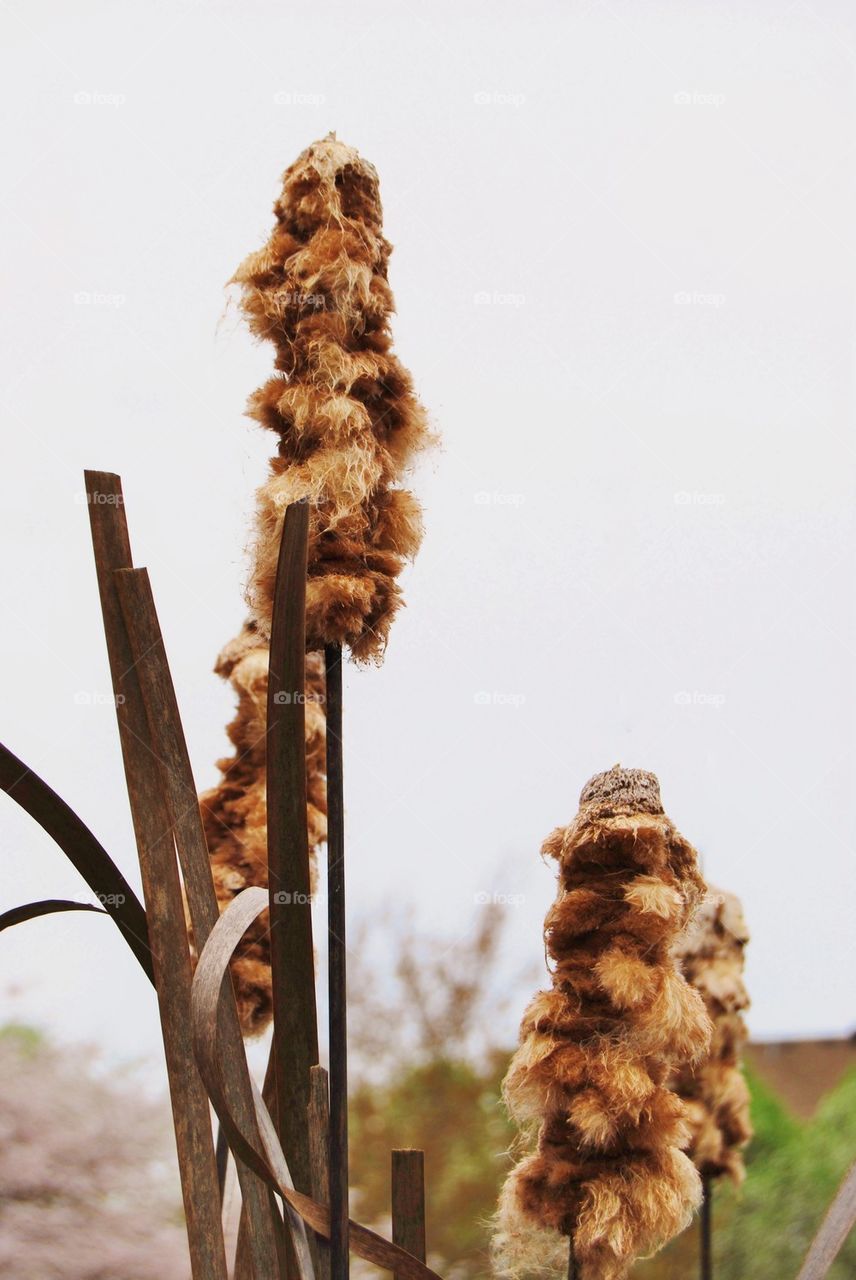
(625, 271)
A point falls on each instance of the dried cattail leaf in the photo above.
(595, 1051)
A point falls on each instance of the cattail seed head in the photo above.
(588, 1081)
(711, 955)
(341, 403)
(348, 425)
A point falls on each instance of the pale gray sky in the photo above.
(625, 271)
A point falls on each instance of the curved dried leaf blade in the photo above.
(83, 851)
(835, 1228)
(46, 907)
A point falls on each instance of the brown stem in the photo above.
(295, 1033)
(337, 975)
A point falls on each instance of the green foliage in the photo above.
(787, 1193)
(434, 1084)
(763, 1229)
(452, 1110)
(775, 1127)
(27, 1040)
(446, 1101)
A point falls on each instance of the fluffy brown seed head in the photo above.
(588, 1081)
(342, 405)
(710, 953)
(347, 426)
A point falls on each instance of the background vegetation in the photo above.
(88, 1189)
(442, 1093)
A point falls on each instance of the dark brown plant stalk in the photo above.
(711, 955)
(235, 813)
(596, 1050)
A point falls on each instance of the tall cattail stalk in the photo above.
(590, 1075)
(711, 955)
(347, 427)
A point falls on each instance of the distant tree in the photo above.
(427, 1074)
(89, 1191)
(452, 1110)
(88, 1186)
